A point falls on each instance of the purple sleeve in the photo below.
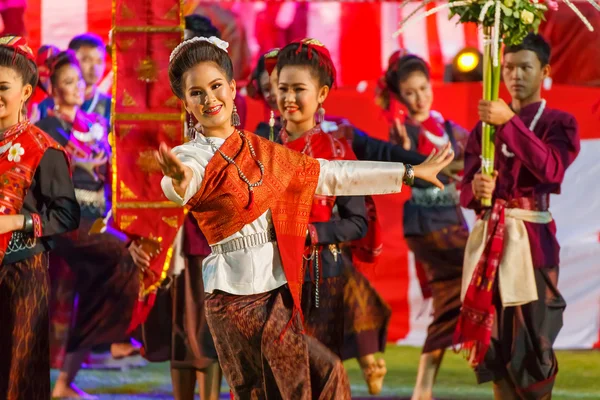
(547, 158)
(472, 166)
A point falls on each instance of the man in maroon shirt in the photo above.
(512, 309)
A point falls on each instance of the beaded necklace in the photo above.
(241, 174)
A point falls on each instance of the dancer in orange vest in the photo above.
(252, 199)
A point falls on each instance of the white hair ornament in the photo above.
(215, 41)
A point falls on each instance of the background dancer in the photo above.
(190, 348)
(105, 278)
(42, 205)
(434, 227)
(341, 308)
(90, 51)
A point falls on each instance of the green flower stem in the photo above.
(491, 91)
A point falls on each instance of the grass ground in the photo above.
(579, 378)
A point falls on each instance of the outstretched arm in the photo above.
(357, 178)
(368, 148)
(182, 176)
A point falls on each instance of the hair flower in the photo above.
(215, 41)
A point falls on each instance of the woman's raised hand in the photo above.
(172, 167)
(432, 166)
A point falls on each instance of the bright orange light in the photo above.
(467, 61)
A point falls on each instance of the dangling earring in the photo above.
(272, 126)
(20, 117)
(235, 117)
(320, 116)
(191, 131)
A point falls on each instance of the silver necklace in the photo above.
(241, 174)
(532, 125)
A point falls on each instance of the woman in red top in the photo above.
(341, 308)
(37, 202)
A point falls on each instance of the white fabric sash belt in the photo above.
(516, 279)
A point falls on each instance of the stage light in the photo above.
(467, 61)
(466, 66)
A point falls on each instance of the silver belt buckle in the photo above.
(244, 242)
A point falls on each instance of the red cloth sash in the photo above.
(289, 183)
(24, 146)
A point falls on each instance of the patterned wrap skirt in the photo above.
(351, 318)
(94, 289)
(24, 345)
(441, 253)
(259, 361)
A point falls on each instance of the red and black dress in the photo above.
(94, 280)
(341, 308)
(435, 229)
(35, 181)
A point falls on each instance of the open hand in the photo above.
(495, 112)
(140, 258)
(484, 185)
(172, 167)
(400, 129)
(91, 163)
(436, 162)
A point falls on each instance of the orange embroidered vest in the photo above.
(289, 184)
(21, 151)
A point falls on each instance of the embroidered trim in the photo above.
(37, 225)
(20, 241)
(312, 233)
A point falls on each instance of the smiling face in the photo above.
(93, 63)
(208, 95)
(13, 94)
(523, 74)
(298, 97)
(416, 94)
(69, 89)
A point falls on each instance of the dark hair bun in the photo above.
(312, 54)
(60, 60)
(191, 54)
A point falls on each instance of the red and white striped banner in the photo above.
(358, 35)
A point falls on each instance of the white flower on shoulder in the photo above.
(97, 131)
(15, 152)
(329, 126)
